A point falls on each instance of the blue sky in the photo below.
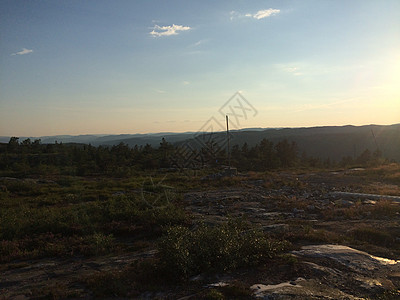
(82, 67)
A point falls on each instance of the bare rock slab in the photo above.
(299, 289)
(355, 270)
(357, 260)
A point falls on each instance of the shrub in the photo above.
(214, 249)
(108, 283)
(9, 250)
(99, 243)
(214, 294)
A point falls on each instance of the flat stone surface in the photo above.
(299, 289)
(352, 258)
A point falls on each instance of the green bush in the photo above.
(108, 283)
(214, 249)
(98, 244)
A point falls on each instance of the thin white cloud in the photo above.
(23, 52)
(294, 70)
(233, 14)
(261, 14)
(198, 43)
(168, 30)
(291, 69)
(186, 82)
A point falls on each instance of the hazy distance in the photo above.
(101, 67)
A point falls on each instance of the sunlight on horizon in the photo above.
(133, 67)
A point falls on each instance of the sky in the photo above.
(114, 67)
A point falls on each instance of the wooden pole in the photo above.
(229, 152)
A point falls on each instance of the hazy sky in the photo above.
(78, 67)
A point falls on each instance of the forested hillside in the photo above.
(332, 142)
(32, 157)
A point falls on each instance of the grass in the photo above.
(56, 245)
(66, 216)
(389, 173)
(72, 215)
(109, 283)
(304, 233)
(373, 236)
(381, 210)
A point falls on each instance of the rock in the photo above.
(342, 202)
(258, 182)
(217, 284)
(299, 289)
(310, 207)
(199, 277)
(352, 258)
(362, 195)
(363, 271)
(270, 215)
(298, 211)
(276, 228)
(369, 201)
(319, 270)
(117, 194)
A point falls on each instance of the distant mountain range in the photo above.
(332, 142)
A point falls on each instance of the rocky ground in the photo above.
(319, 213)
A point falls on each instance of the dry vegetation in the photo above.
(170, 234)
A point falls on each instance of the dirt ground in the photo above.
(302, 208)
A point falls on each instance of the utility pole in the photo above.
(376, 144)
(229, 151)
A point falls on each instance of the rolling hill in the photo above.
(332, 142)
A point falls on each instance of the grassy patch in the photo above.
(73, 217)
(56, 245)
(373, 236)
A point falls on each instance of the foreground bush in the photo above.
(214, 249)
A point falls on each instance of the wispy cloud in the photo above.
(186, 82)
(198, 43)
(168, 30)
(293, 69)
(261, 14)
(23, 52)
(233, 14)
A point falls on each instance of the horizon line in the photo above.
(189, 132)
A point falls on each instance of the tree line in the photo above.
(33, 157)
